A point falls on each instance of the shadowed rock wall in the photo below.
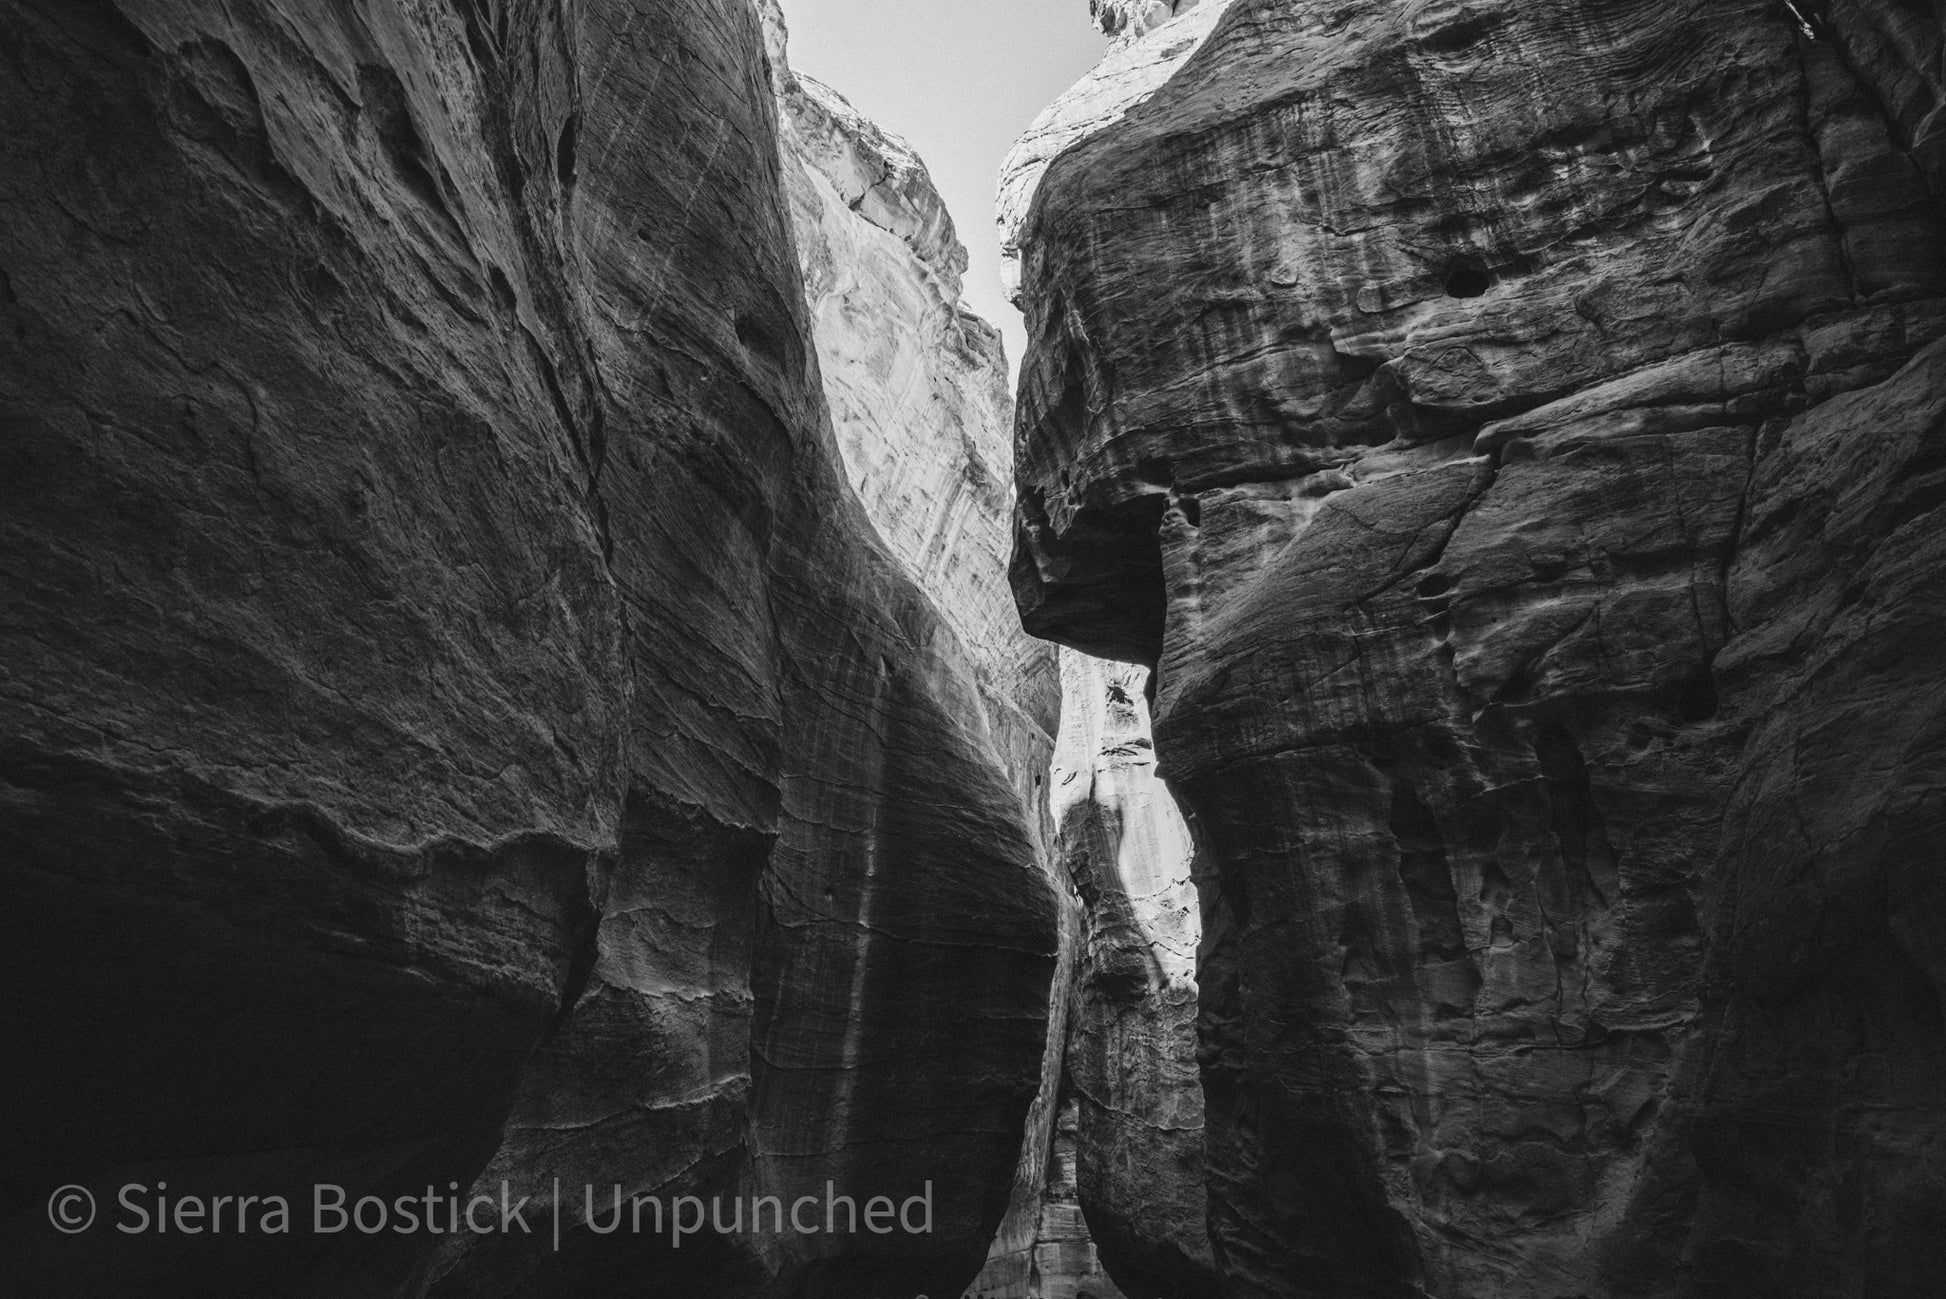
(1053, 1255)
(457, 718)
(1511, 431)
(917, 387)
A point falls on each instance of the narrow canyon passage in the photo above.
(917, 387)
(567, 729)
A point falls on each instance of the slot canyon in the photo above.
(548, 663)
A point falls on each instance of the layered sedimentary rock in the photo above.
(1512, 431)
(1020, 1263)
(1131, 19)
(1059, 1255)
(1131, 71)
(1137, 1157)
(917, 387)
(458, 720)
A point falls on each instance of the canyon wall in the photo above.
(918, 392)
(917, 387)
(1512, 432)
(459, 723)
(1137, 1161)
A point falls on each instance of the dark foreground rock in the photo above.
(1137, 1156)
(457, 721)
(1514, 433)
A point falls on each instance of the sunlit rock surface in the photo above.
(457, 720)
(1129, 73)
(1512, 431)
(1132, 1034)
(917, 387)
(1132, 19)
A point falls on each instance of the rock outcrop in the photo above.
(1129, 73)
(917, 387)
(1131, 1053)
(1064, 1264)
(1512, 432)
(458, 721)
(1131, 19)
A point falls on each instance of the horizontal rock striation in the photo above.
(1130, 72)
(457, 720)
(1132, 19)
(1065, 1263)
(1511, 430)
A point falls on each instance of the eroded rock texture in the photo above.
(917, 387)
(1062, 1262)
(458, 721)
(1512, 430)
(1129, 19)
(1138, 1125)
(1130, 72)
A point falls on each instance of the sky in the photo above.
(959, 80)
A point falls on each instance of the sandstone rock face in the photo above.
(458, 721)
(1021, 1255)
(1132, 1034)
(1129, 73)
(1511, 430)
(1065, 1263)
(1131, 19)
(917, 388)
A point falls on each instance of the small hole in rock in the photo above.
(1192, 511)
(1466, 280)
(1435, 584)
